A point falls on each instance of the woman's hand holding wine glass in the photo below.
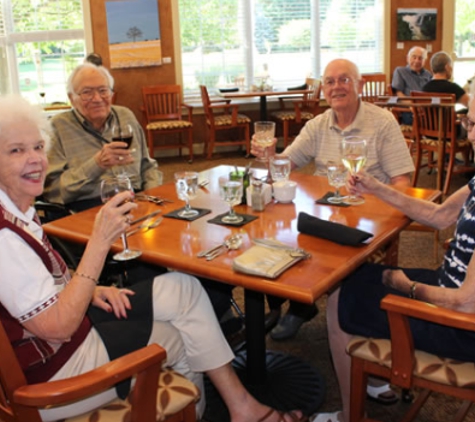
(109, 188)
(353, 155)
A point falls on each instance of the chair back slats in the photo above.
(375, 85)
(311, 100)
(162, 102)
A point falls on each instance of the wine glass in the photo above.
(264, 133)
(123, 133)
(109, 188)
(280, 167)
(337, 174)
(353, 154)
(186, 184)
(231, 192)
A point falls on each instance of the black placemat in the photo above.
(247, 219)
(324, 200)
(174, 214)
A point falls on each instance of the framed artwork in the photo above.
(133, 27)
(416, 24)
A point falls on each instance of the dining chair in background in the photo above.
(158, 395)
(375, 85)
(302, 110)
(222, 116)
(404, 366)
(164, 115)
(436, 130)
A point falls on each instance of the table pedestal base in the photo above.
(290, 384)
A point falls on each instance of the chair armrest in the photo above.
(146, 362)
(429, 312)
(224, 100)
(189, 110)
(300, 105)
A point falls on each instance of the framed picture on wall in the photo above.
(133, 28)
(416, 24)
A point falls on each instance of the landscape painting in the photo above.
(416, 24)
(133, 28)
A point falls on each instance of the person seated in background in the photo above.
(319, 140)
(442, 69)
(351, 311)
(411, 77)
(76, 325)
(82, 151)
(82, 154)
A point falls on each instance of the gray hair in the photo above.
(88, 65)
(15, 109)
(424, 51)
(438, 62)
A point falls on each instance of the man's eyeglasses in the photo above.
(467, 123)
(330, 83)
(87, 94)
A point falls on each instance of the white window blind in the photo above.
(229, 42)
(464, 40)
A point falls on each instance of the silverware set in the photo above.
(145, 226)
(154, 199)
(232, 243)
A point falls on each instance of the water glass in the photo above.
(280, 167)
(230, 191)
(337, 174)
(186, 184)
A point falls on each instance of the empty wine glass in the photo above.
(337, 174)
(280, 167)
(230, 191)
(186, 184)
(109, 188)
(353, 155)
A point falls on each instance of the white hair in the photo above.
(87, 65)
(15, 109)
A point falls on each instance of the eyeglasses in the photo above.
(330, 83)
(87, 94)
(467, 123)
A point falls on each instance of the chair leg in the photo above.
(150, 143)
(359, 380)
(248, 140)
(285, 130)
(190, 144)
(210, 145)
(449, 171)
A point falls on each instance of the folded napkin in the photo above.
(247, 219)
(201, 212)
(338, 233)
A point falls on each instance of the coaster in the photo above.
(324, 200)
(174, 214)
(247, 219)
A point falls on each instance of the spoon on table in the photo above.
(233, 243)
(230, 241)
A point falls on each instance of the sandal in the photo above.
(294, 417)
(376, 394)
(326, 417)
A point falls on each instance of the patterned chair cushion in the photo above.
(226, 120)
(290, 115)
(406, 128)
(169, 124)
(430, 367)
(433, 142)
(175, 392)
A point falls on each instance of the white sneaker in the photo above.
(326, 417)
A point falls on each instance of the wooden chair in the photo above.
(221, 115)
(435, 131)
(304, 109)
(157, 395)
(375, 86)
(399, 362)
(163, 109)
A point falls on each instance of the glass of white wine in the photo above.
(264, 133)
(353, 155)
(337, 174)
(109, 188)
(186, 184)
(230, 191)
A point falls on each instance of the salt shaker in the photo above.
(257, 196)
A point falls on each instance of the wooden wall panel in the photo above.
(398, 56)
(129, 82)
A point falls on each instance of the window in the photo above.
(233, 42)
(40, 43)
(464, 40)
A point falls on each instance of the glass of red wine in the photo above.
(122, 133)
(109, 188)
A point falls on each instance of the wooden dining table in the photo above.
(280, 381)
(263, 97)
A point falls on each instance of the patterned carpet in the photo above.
(310, 344)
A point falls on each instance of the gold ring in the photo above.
(121, 158)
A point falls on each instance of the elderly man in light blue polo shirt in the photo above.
(411, 77)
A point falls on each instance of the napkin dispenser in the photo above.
(266, 191)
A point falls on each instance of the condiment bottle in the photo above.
(257, 196)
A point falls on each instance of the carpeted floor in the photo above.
(310, 344)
